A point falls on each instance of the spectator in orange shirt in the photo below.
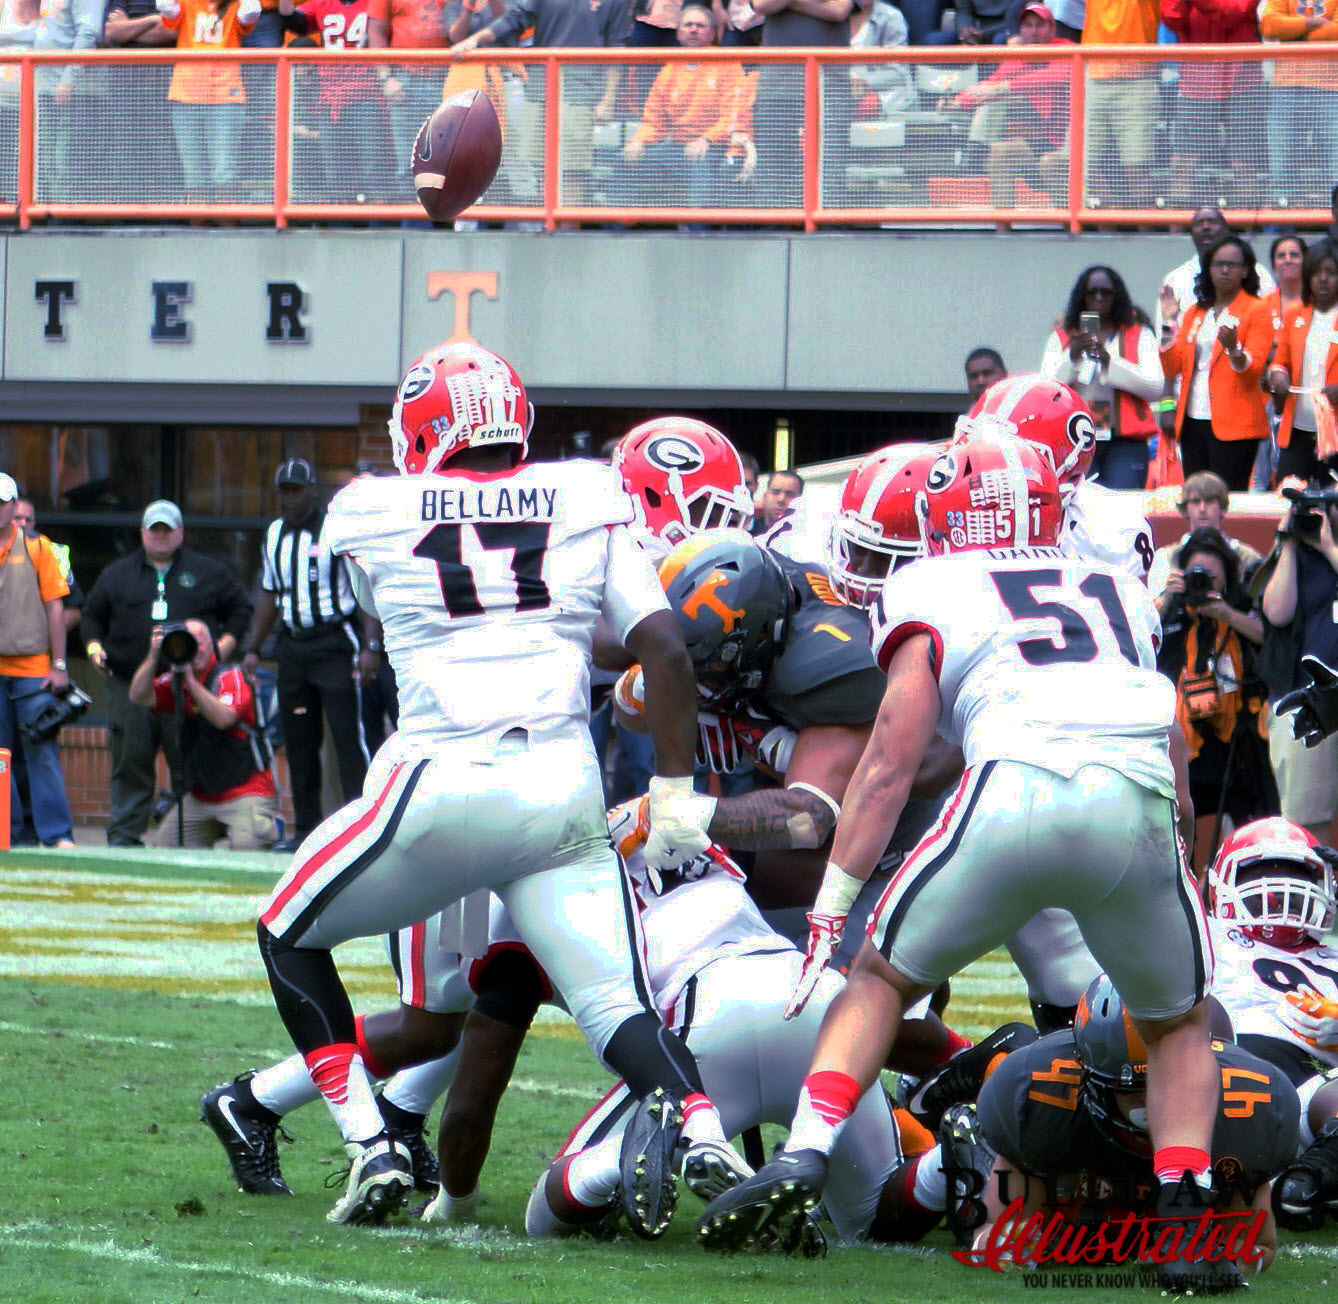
(207, 100)
(412, 90)
(1121, 104)
(32, 665)
(684, 126)
(1304, 96)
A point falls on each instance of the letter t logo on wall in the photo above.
(463, 286)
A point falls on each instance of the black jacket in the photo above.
(119, 609)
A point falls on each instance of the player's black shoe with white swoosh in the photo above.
(247, 1139)
(768, 1210)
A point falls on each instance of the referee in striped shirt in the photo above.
(328, 648)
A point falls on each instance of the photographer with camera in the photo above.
(1209, 641)
(224, 786)
(32, 667)
(1300, 607)
(160, 581)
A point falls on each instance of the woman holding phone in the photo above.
(1219, 350)
(1105, 349)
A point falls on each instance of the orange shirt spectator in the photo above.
(207, 25)
(689, 102)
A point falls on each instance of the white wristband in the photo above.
(660, 787)
(838, 891)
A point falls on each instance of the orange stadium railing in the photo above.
(90, 135)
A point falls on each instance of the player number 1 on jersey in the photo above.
(526, 541)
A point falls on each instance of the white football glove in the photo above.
(168, 8)
(824, 937)
(826, 924)
(678, 820)
(248, 11)
(1313, 1017)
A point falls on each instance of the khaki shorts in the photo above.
(1120, 113)
(247, 822)
(1307, 776)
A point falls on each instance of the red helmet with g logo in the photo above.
(683, 476)
(876, 528)
(989, 493)
(1043, 412)
(454, 397)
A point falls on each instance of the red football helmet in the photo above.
(989, 493)
(454, 397)
(876, 529)
(684, 476)
(1270, 880)
(1044, 413)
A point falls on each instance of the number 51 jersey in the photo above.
(489, 586)
(1040, 658)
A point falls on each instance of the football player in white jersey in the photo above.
(1042, 669)
(488, 575)
(876, 533)
(1271, 906)
(1100, 524)
(720, 976)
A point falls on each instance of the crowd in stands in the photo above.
(1257, 134)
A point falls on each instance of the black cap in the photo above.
(295, 470)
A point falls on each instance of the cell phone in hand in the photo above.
(1090, 323)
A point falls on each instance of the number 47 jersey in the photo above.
(1040, 658)
(489, 586)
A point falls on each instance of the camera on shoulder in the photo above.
(1308, 506)
(179, 645)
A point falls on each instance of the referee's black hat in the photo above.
(296, 470)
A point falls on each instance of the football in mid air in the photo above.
(456, 154)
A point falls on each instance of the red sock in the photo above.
(1171, 1163)
(956, 1044)
(328, 1067)
(369, 1060)
(833, 1095)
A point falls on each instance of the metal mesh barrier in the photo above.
(922, 136)
(9, 133)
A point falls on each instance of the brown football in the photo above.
(456, 155)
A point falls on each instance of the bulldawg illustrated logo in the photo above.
(1055, 1249)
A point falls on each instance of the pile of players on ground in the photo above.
(959, 681)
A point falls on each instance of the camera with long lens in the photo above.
(1308, 506)
(179, 645)
(1199, 582)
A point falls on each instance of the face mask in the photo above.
(1138, 1118)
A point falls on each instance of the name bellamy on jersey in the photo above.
(489, 503)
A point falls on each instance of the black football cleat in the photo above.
(959, 1081)
(1306, 1191)
(646, 1164)
(380, 1177)
(408, 1130)
(967, 1162)
(769, 1210)
(1184, 1203)
(247, 1139)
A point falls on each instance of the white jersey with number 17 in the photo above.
(1040, 658)
(488, 588)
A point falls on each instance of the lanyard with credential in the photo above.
(159, 609)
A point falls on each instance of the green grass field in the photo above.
(130, 984)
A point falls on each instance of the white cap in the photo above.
(8, 489)
(162, 512)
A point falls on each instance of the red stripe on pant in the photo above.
(305, 873)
